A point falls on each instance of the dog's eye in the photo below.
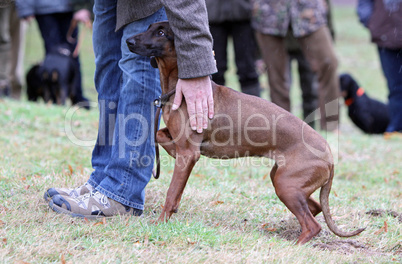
(161, 33)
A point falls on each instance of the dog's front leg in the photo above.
(164, 139)
(185, 161)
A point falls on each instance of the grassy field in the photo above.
(229, 212)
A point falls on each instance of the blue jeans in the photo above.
(391, 62)
(127, 84)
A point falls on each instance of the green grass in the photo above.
(250, 226)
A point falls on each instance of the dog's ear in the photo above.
(153, 62)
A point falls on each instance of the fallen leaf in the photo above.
(198, 175)
(104, 220)
(336, 195)
(265, 176)
(128, 218)
(190, 242)
(137, 243)
(1, 223)
(98, 223)
(160, 243)
(382, 229)
(86, 220)
(23, 179)
(269, 229)
(146, 241)
(27, 187)
(364, 187)
(386, 180)
(216, 202)
(5, 241)
(70, 169)
(63, 260)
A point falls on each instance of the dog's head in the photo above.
(156, 42)
(348, 85)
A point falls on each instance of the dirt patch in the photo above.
(346, 247)
(380, 212)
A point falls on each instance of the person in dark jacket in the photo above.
(384, 20)
(54, 19)
(232, 18)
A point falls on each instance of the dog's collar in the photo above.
(163, 99)
(359, 93)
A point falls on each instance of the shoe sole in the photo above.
(61, 210)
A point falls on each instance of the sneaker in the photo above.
(92, 205)
(74, 193)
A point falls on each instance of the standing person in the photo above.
(54, 19)
(271, 20)
(127, 85)
(12, 32)
(16, 69)
(308, 79)
(5, 48)
(384, 20)
(233, 18)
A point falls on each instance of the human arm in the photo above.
(193, 42)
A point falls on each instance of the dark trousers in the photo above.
(54, 29)
(308, 83)
(318, 50)
(245, 48)
(391, 62)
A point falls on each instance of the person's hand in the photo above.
(199, 100)
(83, 16)
(29, 19)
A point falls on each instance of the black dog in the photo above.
(368, 114)
(55, 79)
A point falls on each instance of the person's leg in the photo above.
(276, 59)
(220, 35)
(64, 22)
(308, 85)
(108, 85)
(244, 47)
(107, 82)
(17, 31)
(318, 50)
(49, 28)
(132, 158)
(391, 62)
(5, 47)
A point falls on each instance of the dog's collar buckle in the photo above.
(163, 99)
(158, 102)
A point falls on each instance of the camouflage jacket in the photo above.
(273, 17)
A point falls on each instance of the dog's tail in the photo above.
(324, 194)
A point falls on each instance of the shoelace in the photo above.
(103, 199)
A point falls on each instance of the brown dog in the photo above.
(243, 126)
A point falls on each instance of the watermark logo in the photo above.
(249, 130)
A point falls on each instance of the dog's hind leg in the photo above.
(294, 188)
(314, 206)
